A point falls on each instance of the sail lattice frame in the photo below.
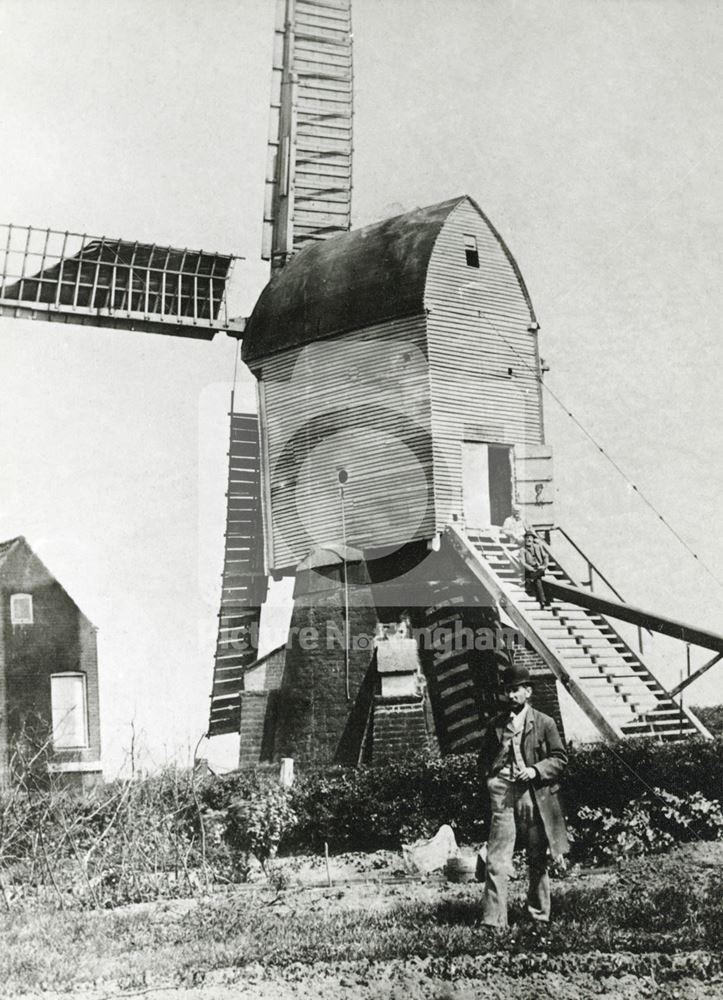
(309, 168)
(70, 277)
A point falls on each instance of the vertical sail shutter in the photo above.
(309, 179)
(244, 580)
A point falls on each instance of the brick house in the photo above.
(48, 669)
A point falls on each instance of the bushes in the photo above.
(610, 776)
(647, 825)
(711, 716)
(375, 807)
(255, 823)
(128, 841)
(144, 839)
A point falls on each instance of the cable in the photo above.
(604, 453)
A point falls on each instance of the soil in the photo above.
(378, 881)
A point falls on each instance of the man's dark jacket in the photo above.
(542, 749)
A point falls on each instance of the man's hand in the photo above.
(526, 774)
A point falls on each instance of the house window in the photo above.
(68, 704)
(470, 251)
(21, 609)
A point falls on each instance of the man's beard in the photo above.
(516, 707)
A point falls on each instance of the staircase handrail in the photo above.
(590, 564)
(570, 595)
(480, 568)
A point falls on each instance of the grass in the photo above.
(672, 904)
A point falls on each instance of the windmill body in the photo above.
(397, 357)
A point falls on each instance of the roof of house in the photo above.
(366, 276)
(5, 547)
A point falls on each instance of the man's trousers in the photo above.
(514, 816)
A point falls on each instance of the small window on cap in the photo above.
(470, 251)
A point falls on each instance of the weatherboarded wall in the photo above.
(483, 355)
(356, 404)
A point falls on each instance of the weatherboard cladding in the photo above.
(375, 351)
(478, 328)
(360, 404)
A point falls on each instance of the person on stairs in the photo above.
(514, 527)
(521, 758)
(534, 561)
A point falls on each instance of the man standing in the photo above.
(522, 756)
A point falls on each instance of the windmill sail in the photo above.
(308, 198)
(309, 180)
(96, 281)
(244, 580)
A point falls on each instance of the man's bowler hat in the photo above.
(516, 674)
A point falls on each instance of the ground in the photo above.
(643, 929)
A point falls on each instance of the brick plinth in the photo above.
(254, 706)
(325, 699)
(399, 727)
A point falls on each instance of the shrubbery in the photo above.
(373, 807)
(255, 821)
(647, 825)
(125, 842)
(171, 835)
(711, 716)
(611, 776)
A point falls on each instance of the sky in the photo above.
(589, 133)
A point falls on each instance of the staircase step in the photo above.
(684, 730)
(616, 675)
(604, 663)
(587, 645)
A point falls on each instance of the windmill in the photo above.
(353, 520)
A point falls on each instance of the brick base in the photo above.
(324, 698)
(399, 726)
(254, 706)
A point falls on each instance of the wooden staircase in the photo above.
(609, 681)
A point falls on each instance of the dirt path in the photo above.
(464, 978)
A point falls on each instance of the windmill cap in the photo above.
(516, 674)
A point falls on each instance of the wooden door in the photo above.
(475, 484)
(500, 482)
(486, 483)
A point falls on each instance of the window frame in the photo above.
(84, 709)
(471, 250)
(14, 618)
